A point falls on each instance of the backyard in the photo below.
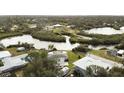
(103, 53)
(72, 57)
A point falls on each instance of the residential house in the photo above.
(14, 27)
(48, 28)
(60, 56)
(82, 64)
(32, 25)
(11, 63)
(120, 53)
(21, 49)
(57, 25)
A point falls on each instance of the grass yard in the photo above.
(72, 57)
(102, 53)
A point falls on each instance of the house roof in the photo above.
(4, 54)
(95, 60)
(57, 54)
(57, 25)
(21, 48)
(11, 62)
(120, 52)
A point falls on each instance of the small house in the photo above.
(120, 53)
(20, 49)
(32, 25)
(11, 63)
(60, 56)
(57, 25)
(82, 64)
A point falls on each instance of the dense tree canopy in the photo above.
(40, 66)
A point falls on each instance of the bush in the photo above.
(1, 63)
(48, 36)
(121, 46)
(81, 48)
(1, 49)
(99, 39)
(25, 45)
(10, 34)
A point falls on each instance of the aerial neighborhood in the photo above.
(61, 46)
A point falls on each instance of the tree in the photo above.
(1, 63)
(1, 47)
(51, 47)
(41, 66)
(116, 72)
(81, 48)
(97, 71)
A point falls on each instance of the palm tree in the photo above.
(51, 47)
(40, 66)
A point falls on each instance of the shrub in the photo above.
(81, 48)
(48, 36)
(1, 63)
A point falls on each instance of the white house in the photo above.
(120, 53)
(14, 27)
(11, 63)
(57, 25)
(32, 25)
(52, 27)
(21, 49)
(82, 64)
(60, 56)
(4, 54)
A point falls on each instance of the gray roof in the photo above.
(12, 62)
(95, 60)
(4, 54)
(57, 54)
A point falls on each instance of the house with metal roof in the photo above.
(82, 64)
(11, 63)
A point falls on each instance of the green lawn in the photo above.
(72, 57)
(102, 53)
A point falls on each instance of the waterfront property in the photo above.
(82, 64)
(11, 63)
(60, 56)
(120, 53)
(5, 54)
(21, 49)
